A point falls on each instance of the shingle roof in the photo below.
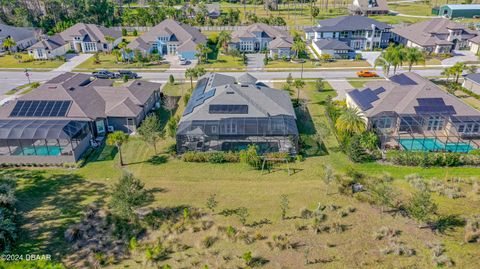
(188, 37)
(51, 43)
(424, 33)
(281, 42)
(475, 40)
(269, 31)
(349, 23)
(404, 94)
(473, 77)
(247, 78)
(332, 44)
(16, 33)
(373, 5)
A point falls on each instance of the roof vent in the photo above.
(139, 83)
(243, 86)
(71, 88)
(52, 87)
(230, 92)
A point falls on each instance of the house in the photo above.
(23, 37)
(168, 38)
(471, 82)
(260, 37)
(81, 37)
(459, 11)
(225, 114)
(211, 11)
(410, 112)
(474, 44)
(357, 32)
(368, 7)
(55, 122)
(438, 35)
(333, 47)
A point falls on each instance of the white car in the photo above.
(183, 61)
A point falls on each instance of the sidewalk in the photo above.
(73, 62)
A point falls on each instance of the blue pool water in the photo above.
(432, 144)
(40, 151)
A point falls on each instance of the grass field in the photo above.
(51, 199)
(109, 61)
(9, 61)
(311, 64)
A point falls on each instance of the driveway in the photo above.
(175, 65)
(341, 86)
(370, 56)
(460, 56)
(255, 61)
(73, 62)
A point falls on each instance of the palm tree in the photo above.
(190, 73)
(398, 56)
(413, 56)
(457, 70)
(117, 54)
(8, 43)
(117, 139)
(202, 52)
(110, 40)
(299, 84)
(223, 38)
(298, 47)
(128, 52)
(350, 121)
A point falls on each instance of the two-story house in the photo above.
(262, 37)
(358, 32)
(168, 38)
(438, 35)
(81, 37)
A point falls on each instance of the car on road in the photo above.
(129, 74)
(105, 74)
(366, 74)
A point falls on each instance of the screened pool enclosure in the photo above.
(42, 141)
(270, 134)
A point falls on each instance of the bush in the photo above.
(428, 159)
(251, 157)
(211, 157)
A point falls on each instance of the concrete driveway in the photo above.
(73, 62)
(175, 65)
(460, 56)
(341, 86)
(370, 56)
(255, 61)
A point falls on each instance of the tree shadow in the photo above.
(443, 224)
(158, 159)
(47, 204)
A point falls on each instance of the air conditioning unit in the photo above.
(110, 128)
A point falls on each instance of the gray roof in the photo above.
(332, 44)
(264, 29)
(473, 77)
(281, 42)
(408, 94)
(373, 5)
(91, 98)
(262, 101)
(16, 33)
(348, 23)
(247, 78)
(50, 43)
(426, 33)
(476, 39)
(188, 36)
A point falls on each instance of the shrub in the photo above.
(251, 157)
(426, 159)
(472, 230)
(211, 157)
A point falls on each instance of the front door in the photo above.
(100, 124)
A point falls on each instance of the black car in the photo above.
(128, 74)
(105, 74)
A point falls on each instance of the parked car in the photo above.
(184, 61)
(105, 74)
(366, 74)
(129, 74)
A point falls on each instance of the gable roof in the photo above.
(372, 5)
(473, 77)
(264, 29)
(463, 6)
(16, 33)
(331, 44)
(50, 43)
(90, 98)
(188, 36)
(408, 93)
(348, 23)
(281, 42)
(425, 33)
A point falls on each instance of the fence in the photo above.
(207, 28)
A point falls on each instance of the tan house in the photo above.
(368, 7)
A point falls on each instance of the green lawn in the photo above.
(314, 64)
(9, 61)
(50, 199)
(360, 82)
(108, 61)
(219, 62)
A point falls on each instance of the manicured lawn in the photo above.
(50, 199)
(420, 9)
(221, 62)
(360, 82)
(315, 64)
(108, 61)
(9, 61)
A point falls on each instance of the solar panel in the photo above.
(40, 108)
(433, 106)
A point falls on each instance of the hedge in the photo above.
(426, 159)
(211, 157)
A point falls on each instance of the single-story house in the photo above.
(168, 38)
(81, 37)
(357, 32)
(438, 35)
(55, 122)
(211, 11)
(474, 44)
(410, 112)
(24, 37)
(260, 37)
(471, 82)
(368, 7)
(459, 11)
(228, 114)
(333, 47)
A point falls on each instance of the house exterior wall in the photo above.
(188, 55)
(42, 54)
(446, 11)
(337, 54)
(366, 39)
(471, 85)
(474, 47)
(280, 52)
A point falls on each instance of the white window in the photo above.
(40, 53)
(435, 123)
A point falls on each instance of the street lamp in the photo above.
(27, 75)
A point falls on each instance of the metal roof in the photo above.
(40, 129)
(463, 7)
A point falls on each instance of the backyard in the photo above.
(52, 199)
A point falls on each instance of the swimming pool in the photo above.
(432, 144)
(39, 151)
